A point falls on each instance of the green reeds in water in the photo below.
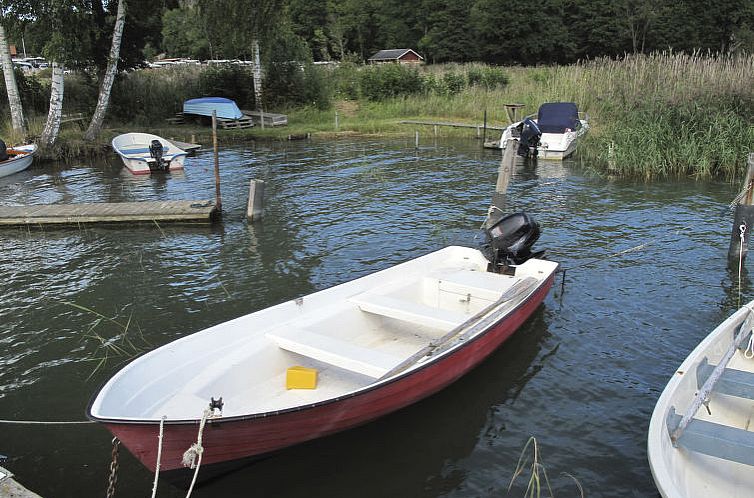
(538, 481)
(116, 338)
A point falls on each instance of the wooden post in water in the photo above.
(504, 174)
(261, 117)
(743, 219)
(336, 121)
(218, 198)
(255, 208)
(417, 139)
(484, 137)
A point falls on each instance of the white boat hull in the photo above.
(713, 455)
(133, 149)
(553, 146)
(18, 162)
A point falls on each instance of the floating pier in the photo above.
(455, 125)
(202, 211)
(10, 488)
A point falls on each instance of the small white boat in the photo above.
(326, 362)
(701, 436)
(19, 158)
(552, 133)
(143, 153)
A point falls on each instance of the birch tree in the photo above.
(54, 115)
(95, 127)
(252, 19)
(14, 98)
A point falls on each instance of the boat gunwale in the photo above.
(545, 282)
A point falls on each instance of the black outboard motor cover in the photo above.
(3, 151)
(509, 241)
(155, 150)
(530, 135)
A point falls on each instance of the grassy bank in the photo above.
(651, 116)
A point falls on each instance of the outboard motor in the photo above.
(509, 241)
(155, 150)
(3, 151)
(529, 141)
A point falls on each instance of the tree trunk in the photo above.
(256, 69)
(14, 99)
(52, 126)
(95, 127)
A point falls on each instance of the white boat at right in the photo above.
(144, 153)
(701, 436)
(552, 133)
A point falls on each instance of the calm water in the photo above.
(582, 375)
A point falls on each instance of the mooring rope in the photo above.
(193, 455)
(159, 456)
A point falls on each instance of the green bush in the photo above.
(487, 77)
(290, 83)
(453, 82)
(389, 80)
(232, 82)
(151, 95)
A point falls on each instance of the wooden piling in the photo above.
(417, 140)
(337, 126)
(484, 137)
(743, 220)
(218, 197)
(504, 174)
(255, 208)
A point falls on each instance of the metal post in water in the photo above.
(218, 198)
(743, 220)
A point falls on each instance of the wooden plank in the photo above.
(124, 212)
(188, 147)
(456, 125)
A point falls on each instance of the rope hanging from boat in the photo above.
(159, 456)
(192, 458)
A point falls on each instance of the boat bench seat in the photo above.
(409, 311)
(334, 351)
(717, 440)
(732, 382)
(482, 285)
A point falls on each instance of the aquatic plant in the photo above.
(538, 480)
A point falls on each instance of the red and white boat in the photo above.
(375, 344)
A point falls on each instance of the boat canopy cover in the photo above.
(555, 117)
(204, 106)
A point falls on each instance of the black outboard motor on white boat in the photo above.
(509, 242)
(3, 151)
(155, 150)
(529, 138)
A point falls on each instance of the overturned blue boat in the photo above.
(225, 108)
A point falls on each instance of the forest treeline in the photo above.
(501, 32)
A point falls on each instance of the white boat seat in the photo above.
(732, 382)
(409, 311)
(334, 351)
(717, 440)
(482, 285)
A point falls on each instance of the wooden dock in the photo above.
(455, 125)
(202, 211)
(10, 488)
(188, 147)
(270, 118)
